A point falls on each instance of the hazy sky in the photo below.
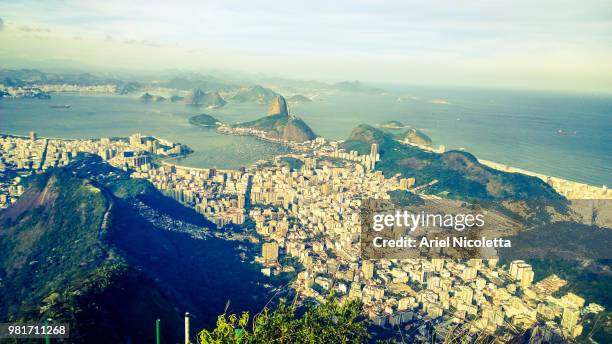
(554, 44)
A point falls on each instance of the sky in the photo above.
(544, 44)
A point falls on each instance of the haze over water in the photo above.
(511, 127)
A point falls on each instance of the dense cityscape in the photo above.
(306, 214)
(321, 172)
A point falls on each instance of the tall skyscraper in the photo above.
(241, 201)
(270, 252)
(374, 151)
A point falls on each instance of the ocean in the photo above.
(562, 135)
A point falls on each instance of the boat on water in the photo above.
(566, 132)
(64, 106)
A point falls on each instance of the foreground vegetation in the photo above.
(330, 322)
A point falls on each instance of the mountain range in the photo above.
(256, 94)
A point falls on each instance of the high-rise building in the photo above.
(367, 269)
(438, 264)
(492, 261)
(374, 152)
(469, 273)
(270, 252)
(105, 154)
(570, 318)
(310, 164)
(33, 136)
(514, 267)
(527, 278)
(135, 140)
(573, 300)
(466, 294)
(406, 183)
(241, 201)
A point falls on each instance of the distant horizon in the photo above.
(140, 73)
(547, 46)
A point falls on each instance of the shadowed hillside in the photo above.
(76, 248)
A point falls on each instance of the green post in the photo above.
(47, 339)
(157, 331)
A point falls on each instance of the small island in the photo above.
(392, 125)
(205, 120)
(298, 98)
(177, 98)
(147, 97)
(198, 97)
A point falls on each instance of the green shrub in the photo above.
(329, 322)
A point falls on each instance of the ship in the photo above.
(64, 106)
(566, 132)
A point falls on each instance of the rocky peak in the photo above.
(278, 106)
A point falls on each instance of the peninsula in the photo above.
(278, 125)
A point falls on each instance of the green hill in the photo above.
(415, 136)
(283, 127)
(257, 94)
(280, 125)
(459, 175)
(54, 240)
(204, 120)
(77, 248)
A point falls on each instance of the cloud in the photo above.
(476, 42)
(143, 42)
(39, 29)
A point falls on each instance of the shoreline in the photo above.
(568, 188)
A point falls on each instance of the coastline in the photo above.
(567, 188)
